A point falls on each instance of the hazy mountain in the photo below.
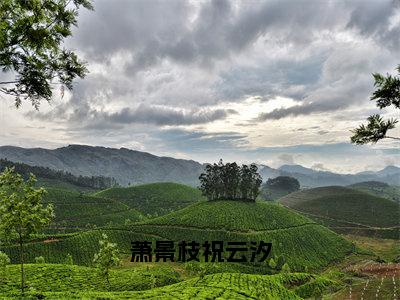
(296, 169)
(126, 166)
(135, 167)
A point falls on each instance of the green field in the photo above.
(75, 211)
(154, 199)
(379, 189)
(74, 282)
(295, 237)
(347, 210)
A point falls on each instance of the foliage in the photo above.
(21, 210)
(69, 259)
(72, 278)
(379, 189)
(272, 263)
(31, 36)
(107, 257)
(96, 182)
(4, 260)
(387, 93)
(278, 187)
(76, 210)
(154, 199)
(230, 182)
(39, 260)
(285, 268)
(340, 203)
(374, 131)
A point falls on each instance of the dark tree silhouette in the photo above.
(280, 186)
(230, 182)
(31, 53)
(386, 94)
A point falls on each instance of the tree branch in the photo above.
(392, 137)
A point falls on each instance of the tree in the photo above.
(107, 257)
(21, 211)
(386, 94)
(4, 261)
(230, 182)
(31, 53)
(278, 187)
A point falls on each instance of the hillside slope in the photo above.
(341, 207)
(126, 166)
(155, 198)
(301, 241)
(75, 210)
(379, 189)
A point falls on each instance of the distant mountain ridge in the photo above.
(136, 167)
(126, 166)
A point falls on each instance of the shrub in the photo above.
(39, 260)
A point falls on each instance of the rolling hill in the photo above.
(74, 211)
(154, 199)
(344, 208)
(299, 240)
(379, 189)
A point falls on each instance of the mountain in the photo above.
(126, 166)
(130, 167)
(296, 169)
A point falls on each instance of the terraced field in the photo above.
(154, 199)
(75, 210)
(347, 210)
(379, 189)
(126, 284)
(301, 241)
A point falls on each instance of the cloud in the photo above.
(286, 159)
(166, 116)
(169, 73)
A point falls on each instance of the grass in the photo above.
(386, 249)
(295, 237)
(74, 282)
(154, 199)
(301, 241)
(379, 189)
(66, 278)
(342, 208)
(77, 210)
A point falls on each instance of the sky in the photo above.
(273, 82)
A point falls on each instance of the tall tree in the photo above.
(21, 211)
(107, 257)
(387, 93)
(31, 52)
(231, 182)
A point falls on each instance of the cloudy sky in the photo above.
(274, 82)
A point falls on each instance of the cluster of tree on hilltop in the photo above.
(230, 182)
(278, 187)
(97, 182)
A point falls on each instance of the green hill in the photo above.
(346, 209)
(156, 198)
(379, 189)
(299, 240)
(77, 210)
(75, 282)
